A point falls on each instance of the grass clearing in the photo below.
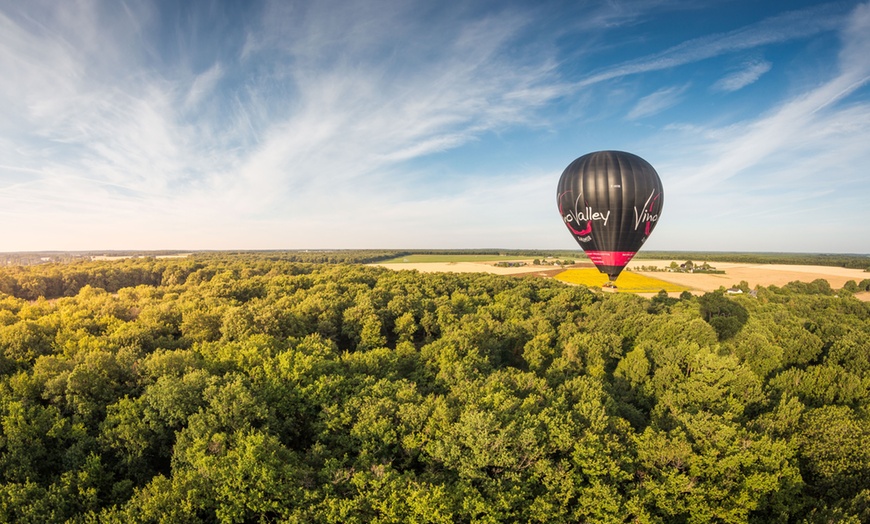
(430, 259)
(627, 282)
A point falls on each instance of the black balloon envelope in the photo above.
(610, 201)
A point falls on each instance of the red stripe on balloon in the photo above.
(610, 258)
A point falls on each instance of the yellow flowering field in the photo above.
(627, 281)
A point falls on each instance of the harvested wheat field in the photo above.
(472, 267)
(753, 274)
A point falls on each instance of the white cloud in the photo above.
(749, 74)
(352, 124)
(657, 102)
(780, 28)
(330, 104)
(203, 84)
(315, 131)
(789, 174)
(792, 127)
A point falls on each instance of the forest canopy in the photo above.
(258, 388)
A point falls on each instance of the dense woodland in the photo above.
(253, 388)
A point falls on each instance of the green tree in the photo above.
(833, 451)
(725, 315)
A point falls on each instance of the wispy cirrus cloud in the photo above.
(657, 102)
(316, 102)
(203, 84)
(747, 75)
(324, 124)
(791, 167)
(780, 28)
(797, 123)
(354, 123)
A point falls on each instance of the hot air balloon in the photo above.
(610, 201)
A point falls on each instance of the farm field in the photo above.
(469, 263)
(753, 274)
(447, 259)
(627, 282)
(467, 267)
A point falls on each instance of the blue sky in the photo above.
(401, 124)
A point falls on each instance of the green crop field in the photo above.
(627, 281)
(423, 259)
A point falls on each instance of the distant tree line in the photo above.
(54, 280)
(852, 261)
